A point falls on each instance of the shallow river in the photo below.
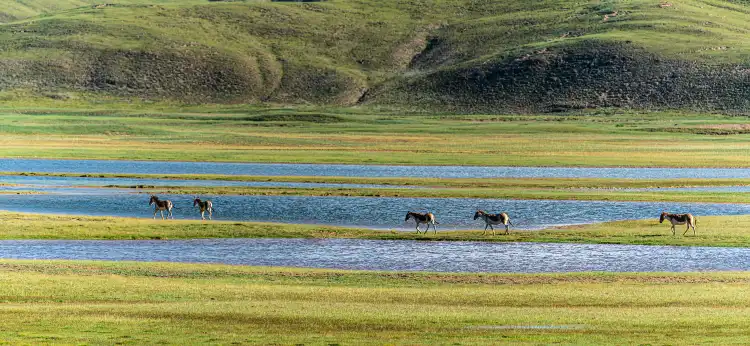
(42, 181)
(394, 255)
(368, 212)
(155, 167)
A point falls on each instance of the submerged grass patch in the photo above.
(106, 302)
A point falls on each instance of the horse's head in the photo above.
(196, 201)
(408, 215)
(663, 216)
(478, 214)
(153, 200)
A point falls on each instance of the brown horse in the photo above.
(206, 206)
(679, 219)
(161, 206)
(420, 218)
(493, 219)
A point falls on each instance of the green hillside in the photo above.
(459, 55)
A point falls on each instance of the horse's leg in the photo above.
(155, 210)
(673, 230)
(418, 231)
(434, 229)
(485, 228)
(161, 211)
(492, 228)
(210, 211)
(507, 229)
(686, 229)
(170, 216)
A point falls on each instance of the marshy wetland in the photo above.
(317, 203)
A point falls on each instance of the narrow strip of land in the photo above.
(505, 193)
(547, 183)
(725, 231)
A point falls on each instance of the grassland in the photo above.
(366, 136)
(724, 231)
(145, 303)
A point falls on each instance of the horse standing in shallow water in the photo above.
(493, 219)
(161, 206)
(420, 218)
(206, 206)
(679, 219)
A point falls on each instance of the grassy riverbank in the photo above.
(729, 231)
(504, 193)
(105, 303)
(372, 136)
(587, 189)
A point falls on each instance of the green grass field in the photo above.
(370, 137)
(63, 302)
(725, 231)
(463, 55)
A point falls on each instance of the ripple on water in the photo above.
(394, 255)
(367, 212)
(159, 167)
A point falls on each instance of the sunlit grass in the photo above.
(730, 231)
(634, 140)
(104, 302)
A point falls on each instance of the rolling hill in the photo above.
(456, 55)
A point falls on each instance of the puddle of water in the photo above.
(394, 255)
(142, 167)
(698, 189)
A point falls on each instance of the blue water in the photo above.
(42, 181)
(394, 255)
(155, 167)
(367, 212)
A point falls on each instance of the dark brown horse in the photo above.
(161, 206)
(206, 206)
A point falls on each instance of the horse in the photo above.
(420, 218)
(205, 206)
(493, 219)
(161, 206)
(679, 219)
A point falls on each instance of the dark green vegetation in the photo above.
(314, 135)
(63, 302)
(730, 231)
(449, 55)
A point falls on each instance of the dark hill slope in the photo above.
(463, 55)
